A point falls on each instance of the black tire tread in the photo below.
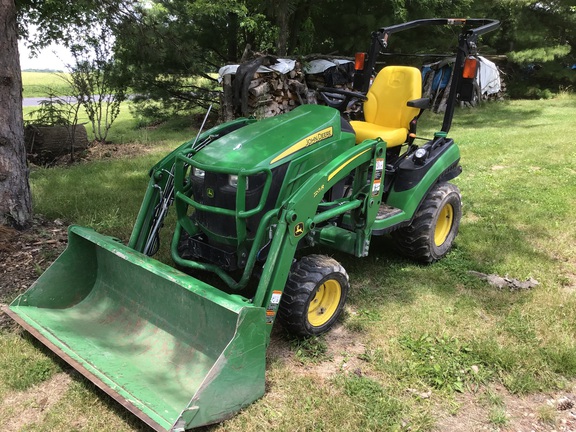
(415, 241)
(304, 277)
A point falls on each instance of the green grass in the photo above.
(435, 329)
(442, 363)
(22, 364)
(39, 84)
(172, 132)
(310, 350)
(116, 193)
(498, 417)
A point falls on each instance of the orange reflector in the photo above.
(359, 60)
(470, 67)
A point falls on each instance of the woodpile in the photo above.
(502, 94)
(268, 94)
(46, 143)
(248, 92)
(316, 81)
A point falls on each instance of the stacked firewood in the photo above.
(272, 93)
(501, 95)
(247, 92)
(268, 94)
(316, 81)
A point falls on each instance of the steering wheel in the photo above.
(339, 98)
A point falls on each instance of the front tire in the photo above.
(435, 225)
(314, 296)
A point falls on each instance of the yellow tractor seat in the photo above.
(386, 113)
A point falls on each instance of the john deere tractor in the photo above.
(180, 352)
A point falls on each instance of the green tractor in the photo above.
(179, 352)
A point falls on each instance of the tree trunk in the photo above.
(15, 200)
(295, 25)
(282, 18)
(232, 37)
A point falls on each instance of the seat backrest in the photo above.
(387, 97)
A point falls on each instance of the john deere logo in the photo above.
(210, 193)
(306, 142)
(299, 229)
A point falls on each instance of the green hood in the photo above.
(274, 140)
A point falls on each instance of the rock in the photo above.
(506, 282)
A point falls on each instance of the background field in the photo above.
(420, 347)
(37, 84)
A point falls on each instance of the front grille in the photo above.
(214, 190)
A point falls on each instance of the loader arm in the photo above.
(305, 202)
(299, 217)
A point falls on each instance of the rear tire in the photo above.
(435, 225)
(314, 296)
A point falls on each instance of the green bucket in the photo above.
(175, 351)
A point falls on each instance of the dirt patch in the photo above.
(571, 286)
(471, 417)
(343, 351)
(24, 255)
(489, 409)
(537, 412)
(20, 409)
(100, 151)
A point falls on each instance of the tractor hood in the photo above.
(275, 140)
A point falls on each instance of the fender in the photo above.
(414, 181)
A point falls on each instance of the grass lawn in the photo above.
(420, 347)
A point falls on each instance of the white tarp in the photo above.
(320, 65)
(286, 65)
(283, 66)
(488, 77)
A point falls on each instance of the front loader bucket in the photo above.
(175, 351)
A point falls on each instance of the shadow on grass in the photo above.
(105, 195)
(488, 116)
(498, 114)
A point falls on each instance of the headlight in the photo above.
(197, 172)
(233, 181)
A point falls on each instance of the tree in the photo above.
(97, 81)
(345, 27)
(54, 19)
(539, 38)
(15, 200)
(174, 43)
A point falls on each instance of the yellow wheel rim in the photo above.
(444, 224)
(325, 303)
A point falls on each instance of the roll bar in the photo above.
(472, 28)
